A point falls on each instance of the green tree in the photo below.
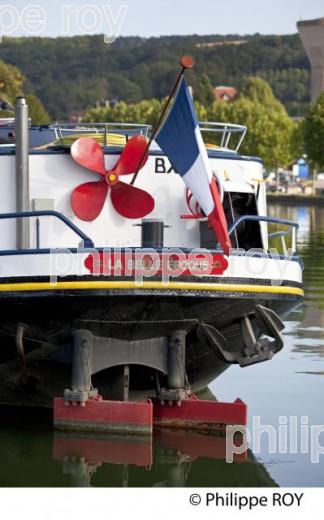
(37, 112)
(313, 130)
(270, 128)
(271, 135)
(204, 91)
(12, 85)
(146, 111)
(72, 73)
(121, 88)
(297, 139)
(259, 91)
(11, 82)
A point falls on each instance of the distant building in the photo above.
(311, 33)
(225, 93)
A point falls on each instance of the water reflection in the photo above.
(82, 455)
(170, 459)
(307, 324)
(310, 246)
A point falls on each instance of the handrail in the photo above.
(226, 129)
(261, 218)
(141, 126)
(271, 220)
(44, 213)
(279, 233)
(124, 129)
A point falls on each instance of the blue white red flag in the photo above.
(180, 139)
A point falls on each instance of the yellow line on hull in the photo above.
(157, 285)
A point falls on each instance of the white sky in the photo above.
(158, 17)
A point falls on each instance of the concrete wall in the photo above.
(312, 35)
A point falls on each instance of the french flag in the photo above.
(180, 139)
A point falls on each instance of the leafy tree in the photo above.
(11, 82)
(297, 141)
(290, 85)
(270, 129)
(259, 91)
(70, 74)
(313, 130)
(146, 111)
(121, 88)
(269, 126)
(12, 85)
(37, 112)
(204, 91)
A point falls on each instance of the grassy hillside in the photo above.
(70, 74)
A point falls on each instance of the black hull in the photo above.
(51, 319)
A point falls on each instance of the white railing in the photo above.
(230, 135)
(225, 131)
(292, 229)
(64, 130)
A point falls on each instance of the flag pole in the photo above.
(186, 62)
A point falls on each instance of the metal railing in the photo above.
(226, 131)
(63, 133)
(87, 242)
(65, 130)
(271, 220)
(10, 122)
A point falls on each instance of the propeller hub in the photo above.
(111, 178)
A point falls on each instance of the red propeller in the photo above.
(88, 199)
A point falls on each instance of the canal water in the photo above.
(285, 398)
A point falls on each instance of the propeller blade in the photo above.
(87, 200)
(131, 156)
(131, 202)
(88, 153)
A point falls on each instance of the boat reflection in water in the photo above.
(38, 457)
(83, 455)
(171, 458)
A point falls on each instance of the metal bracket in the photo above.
(263, 348)
(171, 395)
(255, 350)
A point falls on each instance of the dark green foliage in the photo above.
(204, 92)
(12, 85)
(313, 130)
(70, 74)
(271, 134)
(37, 112)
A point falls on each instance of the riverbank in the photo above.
(296, 199)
